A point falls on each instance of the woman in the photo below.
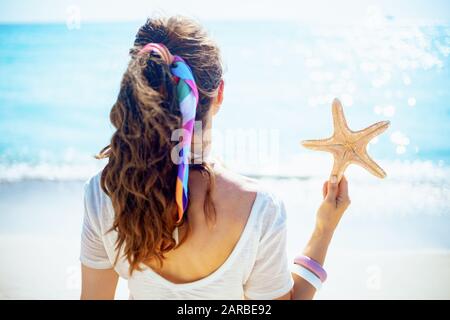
(175, 233)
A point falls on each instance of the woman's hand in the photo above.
(335, 202)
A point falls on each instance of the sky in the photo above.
(313, 11)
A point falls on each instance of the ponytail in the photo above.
(140, 176)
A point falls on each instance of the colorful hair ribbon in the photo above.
(187, 96)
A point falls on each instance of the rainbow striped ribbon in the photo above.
(187, 95)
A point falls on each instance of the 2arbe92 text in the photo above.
(226, 309)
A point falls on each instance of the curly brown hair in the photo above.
(140, 176)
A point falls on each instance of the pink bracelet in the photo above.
(312, 266)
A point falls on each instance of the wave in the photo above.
(301, 167)
(413, 189)
(51, 172)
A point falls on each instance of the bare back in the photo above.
(208, 245)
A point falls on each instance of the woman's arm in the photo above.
(336, 201)
(98, 284)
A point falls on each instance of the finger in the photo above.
(332, 189)
(324, 189)
(343, 188)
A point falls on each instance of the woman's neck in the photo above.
(201, 144)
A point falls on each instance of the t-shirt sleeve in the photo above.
(93, 253)
(270, 276)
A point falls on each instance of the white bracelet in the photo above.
(307, 275)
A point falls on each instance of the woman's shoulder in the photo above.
(255, 198)
(96, 201)
(92, 188)
(233, 184)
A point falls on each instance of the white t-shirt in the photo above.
(257, 267)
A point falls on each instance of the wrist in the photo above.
(318, 244)
(323, 231)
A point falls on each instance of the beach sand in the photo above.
(40, 224)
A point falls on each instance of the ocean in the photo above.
(58, 83)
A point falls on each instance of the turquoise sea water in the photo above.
(57, 85)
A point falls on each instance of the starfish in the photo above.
(349, 146)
